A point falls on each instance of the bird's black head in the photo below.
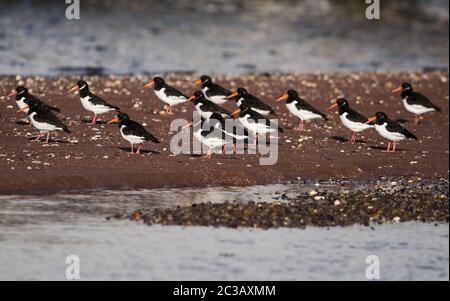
(21, 90)
(407, 86)
(123, 116)
(342, 102)
(205, 79)
(82, 84)
(292, 93)
(197, 97)
(241, 91)
(158, 80)
(379, 118)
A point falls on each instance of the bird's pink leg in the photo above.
(132, 148)
(138, 151)
(94, 120)
(37, 138)
(388, 150)
(48, 138)
(393, 149)
(353, 140)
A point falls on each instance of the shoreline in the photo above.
(99, 161)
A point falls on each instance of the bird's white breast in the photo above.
(256, 127)
(133, 139)
(391, 136)
(302, 114)
(170, 100)
(354, 126)
(97, 109)
(43, 126)
(415, 108)
(21, 104)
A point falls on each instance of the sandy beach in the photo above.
(99, 158)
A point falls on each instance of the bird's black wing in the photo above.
(136, 129)
(356, 116)
(303, 105)
(256, 103)
(212, 107)
(45, 116)
(215, 89)
(171, 91)
(42, 104)
(419, 99)
(393, 126)
(255, 117)
(96, 100)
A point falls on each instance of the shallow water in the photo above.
(140, 36)
(38, 233)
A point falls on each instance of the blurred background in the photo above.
(221, 36)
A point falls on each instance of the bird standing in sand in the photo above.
(300, 108)
(390, 130)
(166, 93)
(133, 132)
(92, 102)
(415, 102)
(212, 91)
(43, 119)
(350, 118)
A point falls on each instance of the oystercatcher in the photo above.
(21, 93)
(92, 102)
(351, 119)
(43, 120)
(167, 94)
(212, 91)
(255, 122)
(205, 107)
(390, 130)
(248, 100)
(415, 102)
(210, 132)
(300, 108)
(133, 132)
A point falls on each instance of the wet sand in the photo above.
(100, 159)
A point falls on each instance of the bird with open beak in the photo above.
(300, 108)
(415, 102)
(212, 91)
(390, 130)
(351, 119)
(166, 93)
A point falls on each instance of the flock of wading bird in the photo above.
(251, 112)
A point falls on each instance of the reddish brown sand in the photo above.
(316, 154)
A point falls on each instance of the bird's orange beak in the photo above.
(397, 90)
(333, 106)
(284, 97)
(13, 93)
(233, 95)
(23, 109)
(192, 98)
(187, 125)
(371, 119)
(114, 120)
(74, 88)
(198, 82)
(149, 85)
(237, 111)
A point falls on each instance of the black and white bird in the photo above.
(167, 94)
(415, 102)
(21, 93)
(206, 107)
(390, 130)
(255, 122)
(210, 132)
(248, 100)
(212, 91)
(300, 108)
(350, 118)
(92, 102)
(133, 132)
(43, 120)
